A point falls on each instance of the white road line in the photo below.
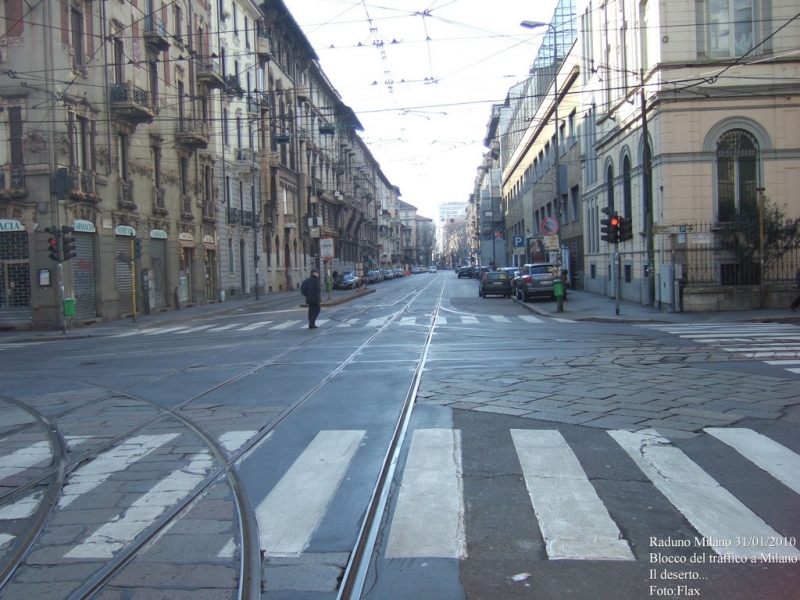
(224, 327)
(22, 508)
(115, 535)
(408, 321)
(255, 325)
(775, 459)
(291, 512)
(563, 320)
(282, 326)
(530, 319)
(711, 509)
(440, 320)
(781, 363)
(5, 538)
(233, 440)
(793, 370)
(573, 520)
(429, 517)
(193, 329)
(500, 319)
(469, 320)
(116, 459)
(377, 322)
(24, 458)
(782, 348)
(165, 330)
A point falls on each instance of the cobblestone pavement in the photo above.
(628, 388)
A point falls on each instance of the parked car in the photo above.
(513, 273)
(433, 269)
(463, 271)
(388, 274)
(374, 276)
(398, 272)
(495, 283)
(536, 280)
(346, 281)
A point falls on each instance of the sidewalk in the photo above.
(585, 306)
(176, 316)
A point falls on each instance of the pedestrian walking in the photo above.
(312, 290)
(796, 302)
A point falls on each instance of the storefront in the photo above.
(84, 283)
(186, 256)
(158, 265)
(123, 240)
(15, 275)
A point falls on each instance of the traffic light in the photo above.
(625, 229)
(137, 248)
(610, 229)
(52, 244)
(68, 250)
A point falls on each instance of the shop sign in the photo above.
(125, 230)
(84, 226)
(11, 225)
(158, 234)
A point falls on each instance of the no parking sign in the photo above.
(549, 226)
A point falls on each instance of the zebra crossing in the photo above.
(776, 344)
(369, 322)
(427, 518)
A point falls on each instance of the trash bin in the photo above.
(558, 288)
(69, 307)
(328, 286)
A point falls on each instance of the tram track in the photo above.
(249, 576)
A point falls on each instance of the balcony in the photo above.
(155, 33)
(125, 195)
(84, 185)
(253, 105)
(233, 216)
(264, 45)
(289, 221)
(159, 202)
(233, 86)
(192, 133)
(209, 74)
(12, 181)
(301, 91)
(130, 103)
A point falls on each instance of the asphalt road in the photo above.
(238, 454)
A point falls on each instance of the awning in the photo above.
(186, 244)
(209, 246)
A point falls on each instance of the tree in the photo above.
(741, 237)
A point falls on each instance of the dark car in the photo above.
(463, 271)
(346, 281)
(536, 280)
(374, 276)
(495, 283)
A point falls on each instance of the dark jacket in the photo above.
(312, 289)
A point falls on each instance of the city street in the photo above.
(422, 443)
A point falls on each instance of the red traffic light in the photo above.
(52, 241)
(614, 221)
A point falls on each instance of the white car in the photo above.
(433, 269)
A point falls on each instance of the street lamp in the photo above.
(556, 66)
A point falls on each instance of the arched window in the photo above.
(737, 173)
(610, 189)
(627, 195)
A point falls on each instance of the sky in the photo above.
(422, 77)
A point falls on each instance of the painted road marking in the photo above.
(224, 327)
(115, 535)
(429, 516)
(255, 326)
(775, 459)
(290, 513)
(711, 509)
(24, 458)
(500, 319)
(530, 319)
(193, 329)
(469, 320)
(165, 330)
(92, 474)
(573, 520)
(282, 326)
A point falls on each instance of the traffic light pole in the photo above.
(616, 277)
(133, 277)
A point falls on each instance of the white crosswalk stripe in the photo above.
(753, 340)
(441, 321)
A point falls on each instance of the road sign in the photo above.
(518, 241)
(326, 247)
(549, 226)
(550, 242)
(668, 229)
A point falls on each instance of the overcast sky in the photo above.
(422, 77)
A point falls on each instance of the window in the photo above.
(610, 189)
(119, 61)
(575, 202)
(225, 130)
(737, 173)
(231, 257)
(122, 149)
(15, 134)
(78, 58)
(627, 195)
(730, 27)
(81, 143)
(154, 84)
(178, 23)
